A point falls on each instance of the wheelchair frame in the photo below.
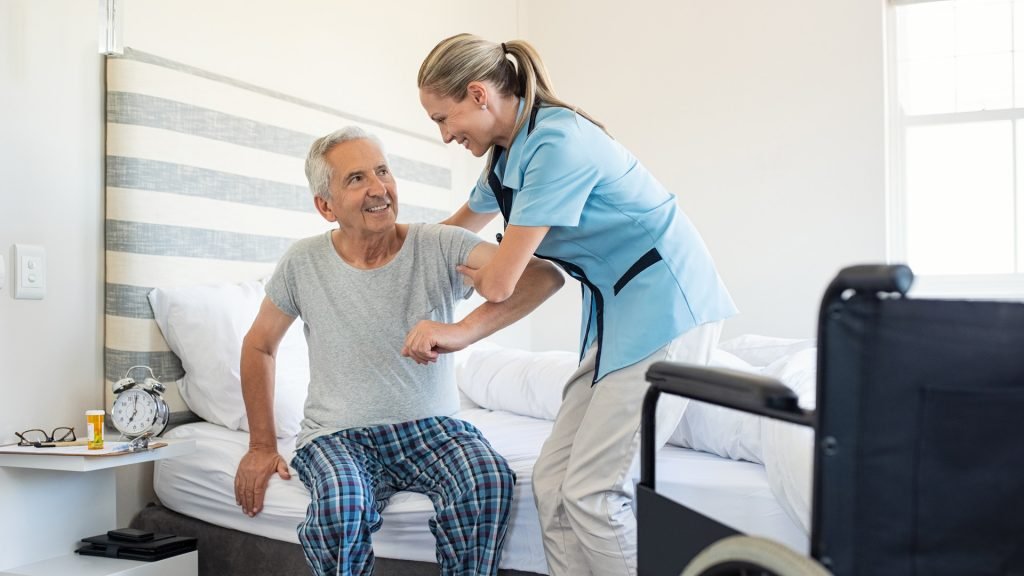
(670, 534)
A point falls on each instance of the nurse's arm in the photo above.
(466, 218)
(428, 339)
(496, 278)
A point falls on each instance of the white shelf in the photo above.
(187, 563)
(76, 463)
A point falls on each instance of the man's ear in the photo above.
(324, 208)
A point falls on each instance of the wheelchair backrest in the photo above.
(919, 464)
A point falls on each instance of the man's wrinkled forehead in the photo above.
(355, 156)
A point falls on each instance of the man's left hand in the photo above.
(428, 339)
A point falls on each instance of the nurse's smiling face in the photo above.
(468, 123)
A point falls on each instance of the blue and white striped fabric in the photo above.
(351, 475)
(205, 184)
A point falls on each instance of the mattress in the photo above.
(201, 485)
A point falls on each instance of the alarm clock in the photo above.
(139, 408)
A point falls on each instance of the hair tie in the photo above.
(504, 48)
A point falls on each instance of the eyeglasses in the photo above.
(36, 437)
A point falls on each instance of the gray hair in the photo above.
(318, 171)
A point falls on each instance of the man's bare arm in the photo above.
(259, 349)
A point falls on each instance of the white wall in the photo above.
(51, 183)
(360, 57)
(766, 118)
(51, 151)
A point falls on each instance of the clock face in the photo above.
(134, 412)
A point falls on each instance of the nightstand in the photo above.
(51, 502)
(182, 564)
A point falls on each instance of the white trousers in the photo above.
(582, 480)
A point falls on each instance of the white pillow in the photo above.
(517, 381)
(761, 351)
(460, 356)
(740, 435)
(723, 431)
(789, 448)
(799, 372)
(204, 325)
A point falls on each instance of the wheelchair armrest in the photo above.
(729, 388)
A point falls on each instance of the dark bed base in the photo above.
(227, 552)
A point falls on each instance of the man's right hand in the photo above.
(428, 339)
(254, 472)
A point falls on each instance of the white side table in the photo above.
(51, 502)
(187, 564)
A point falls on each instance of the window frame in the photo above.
(989, 286)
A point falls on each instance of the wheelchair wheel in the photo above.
(751, 556)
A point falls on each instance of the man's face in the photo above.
(363, 191)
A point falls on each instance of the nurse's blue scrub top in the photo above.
(646, 274)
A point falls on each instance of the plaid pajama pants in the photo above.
(351, 475)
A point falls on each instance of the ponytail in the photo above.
(464, 58)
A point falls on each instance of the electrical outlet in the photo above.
(29, 272)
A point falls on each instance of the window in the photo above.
(957, 144)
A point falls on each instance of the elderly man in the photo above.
(377, 299)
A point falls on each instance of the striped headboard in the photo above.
(205, 184)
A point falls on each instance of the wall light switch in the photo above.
(29, 272)
(3, 273)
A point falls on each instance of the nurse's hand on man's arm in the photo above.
(494, 271)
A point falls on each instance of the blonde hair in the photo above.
(464, 58)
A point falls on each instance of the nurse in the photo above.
(569, 193)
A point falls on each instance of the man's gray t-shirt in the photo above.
(356, 322)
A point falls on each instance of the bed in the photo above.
(713, 464)
(521, 391)
(205, 190)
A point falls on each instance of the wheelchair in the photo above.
(918, 451)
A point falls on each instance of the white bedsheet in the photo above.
(732, 492)
(201, 485)
(530, 384)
